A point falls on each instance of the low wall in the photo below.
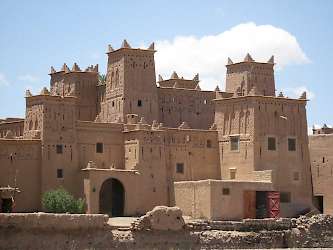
(65, 231)
(46, 221)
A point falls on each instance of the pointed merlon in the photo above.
(174, 75)
(271, 60)
(95, 68)
(160, 79)
(76, 68)
(196, 77)
(125, 44)
(248, 58)
(65, 68)
(217, 89)
(303, 95)
(197, 87)
(230, 61)
(52, 70)
(28, 93)
(151, 46)
(44, 91)
(110, 49)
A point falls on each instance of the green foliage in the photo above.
(102, 78)
(60, 201)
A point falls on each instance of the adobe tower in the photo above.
(130, 84)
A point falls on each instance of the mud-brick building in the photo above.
(321, 152)
(132, 142)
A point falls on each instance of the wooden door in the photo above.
(273, 204)
(249, 202)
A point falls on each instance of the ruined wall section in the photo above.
(179, 105)
(20, 166)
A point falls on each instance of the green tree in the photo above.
(101, 78)
(60, 201)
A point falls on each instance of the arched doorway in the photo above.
(112, 198)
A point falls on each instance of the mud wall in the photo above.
(48, 231)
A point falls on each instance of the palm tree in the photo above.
(101, 78)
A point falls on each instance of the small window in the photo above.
(59, 149)
(285, 197)
(296, 176)
(112, 103)
(225, 191)
(291, 144)
(99, 147)
(232, 173)
(139, 103)
(180, 168)
(234, 143)
(209, 143)
(60, 173)
(271, 143)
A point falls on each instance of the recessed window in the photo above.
(59, 149)
(209, 143)
(285, 197)
(291, 144)
(271, 141)
(225, 191)
(232, 173)
(139, 103)
(296, 176)
(60, 173)
(180, 168)
(99, 147)
(234, 143)
(112, 103)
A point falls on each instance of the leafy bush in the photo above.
(60, 201)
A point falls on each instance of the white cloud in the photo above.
(28, 78)
(296, 92)
(208, 55)
(3, 80)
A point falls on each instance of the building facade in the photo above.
(132, 142)
(321, 152)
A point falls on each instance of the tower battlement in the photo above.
(65, 69)
(250, 76)
(126, 46)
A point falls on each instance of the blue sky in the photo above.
(37, 34)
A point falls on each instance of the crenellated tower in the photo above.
(78, 83)
(130, 84)
(250, 77)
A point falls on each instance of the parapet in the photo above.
(248, 59)
(179, 82)
(126, 45)
(75, 69)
